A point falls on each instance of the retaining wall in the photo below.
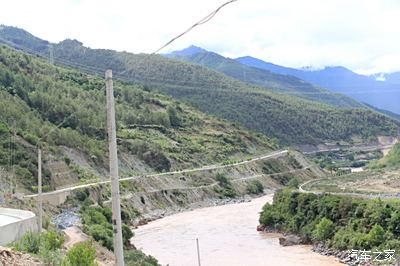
(15, 223)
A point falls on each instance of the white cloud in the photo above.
(360, 34)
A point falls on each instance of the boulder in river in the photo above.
(260, 228)
(289, 240)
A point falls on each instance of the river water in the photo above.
(227, 236)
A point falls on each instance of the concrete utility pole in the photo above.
(40, 202)
(115, 197)
(198, 251)
(13, 156)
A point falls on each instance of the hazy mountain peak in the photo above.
(15, 31)
(71, 42)
(337, 68)
(188, 51)
(311, 68)
(250, 58)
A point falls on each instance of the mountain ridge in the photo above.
(291, 120)
(342, 80)
(287, 84)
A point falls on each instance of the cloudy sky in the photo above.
(362, 35)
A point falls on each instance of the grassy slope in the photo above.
(154, 131)
(289, 119)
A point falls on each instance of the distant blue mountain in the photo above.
(392, 78)
(381, 94)
(286, 84)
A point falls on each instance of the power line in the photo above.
(200, 22)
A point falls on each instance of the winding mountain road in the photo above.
(204, 168)
(353, 194)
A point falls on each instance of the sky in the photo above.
(362, 35)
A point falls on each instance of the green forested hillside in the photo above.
(286, 118)
(385, 112)
(271, 81)
(341, 222)
(392, 159)
(289, 119)
(155, 133)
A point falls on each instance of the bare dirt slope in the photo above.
(10, 257)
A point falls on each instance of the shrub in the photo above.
(51, 257)
(3, 129)
(222, 180)
(67, 160)
(127, 234)
(81, 254)
(255, 187)
(376, 236)
(102, 233)
(30, 243)
(81, 194)
(138, 258)
(323, 230)
(51, 240)
(31, 138)
(267, 216)
(97, 223)
(342, 238)
(394, 224)
(293, 183)
(226, 190)
(36, 242)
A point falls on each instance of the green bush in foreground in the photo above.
(81, 254)
(97, 223)
(35, 242)
(337, 221)
(46, 245)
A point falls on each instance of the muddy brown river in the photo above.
(227, 236)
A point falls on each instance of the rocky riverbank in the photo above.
(161, 213)
(292, 240)
(342, 255)
(70, 217)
